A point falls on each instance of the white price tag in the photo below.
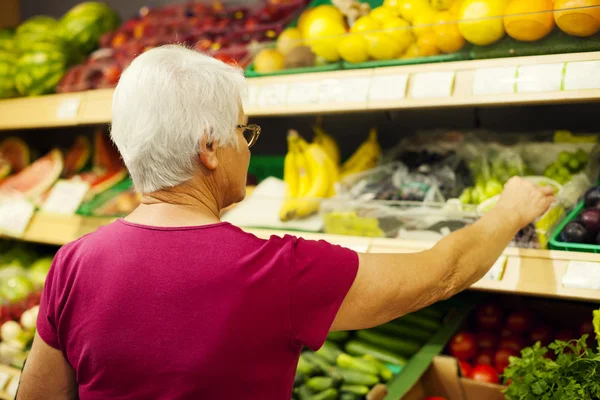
(500, 80)
(66, 197)
(432, 84)
(359, 248)
(497, 270)
(302, 93)
(274, 94)
(331, 91)
(13, 386)
(540, 78)
(15, 215)
(356, 90)
(388, 87)
(582, 275)
(68, 108)
(582, 75)
(250, 95)
(4, 377)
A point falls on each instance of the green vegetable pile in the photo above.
(575, 374)
(356, 365)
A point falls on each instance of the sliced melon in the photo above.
(36, 178)
(16, 152)
(77, 157)
(101, 182)
(106, 155)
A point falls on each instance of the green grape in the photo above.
(493, 188)
(574, 165)
(582, 156)
(564, 157)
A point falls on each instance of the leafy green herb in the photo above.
(574, 375)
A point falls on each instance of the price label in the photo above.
(497, 271)
(388, 87)
(357, 247)
(273, 94)
(4, 377)
(68, 108)
(582, 75)
(15, 215)
(499, 80)
(582, 275)
(250, 95)
(13, 386)
(432, 84)
(356, 90)
(331, 91)
(66, 197)
(302, 93)
(540, 78)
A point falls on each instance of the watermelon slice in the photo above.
(106, 155)
(16, 152)
(100, 182)
(36, 178)
(77, 157)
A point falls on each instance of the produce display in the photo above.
(35, 56)
(582, 225)
(23, 272)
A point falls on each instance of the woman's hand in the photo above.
(524, 200)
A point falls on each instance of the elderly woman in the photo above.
(172, 303)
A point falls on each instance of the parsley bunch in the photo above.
(574, 375)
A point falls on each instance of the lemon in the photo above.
(578, 17)
(353, 48)
(411, 52)
(399, 30)
(382, 14)
(427, 45)
(445, 28)
(324, 36)
(442, 5)
(323, 11)
(289, 39)
(455, 7)
(481, 21)
(392, 3)
(409, 9)
(268, 60)
(529, 20)
(366, 23)
(382, 46)
(423, 22)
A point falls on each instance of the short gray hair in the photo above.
(165, 102)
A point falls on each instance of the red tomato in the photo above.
(465, 368)
(485, 373)
(484, 357)
(487, 340)
(463, 346)
(519, 321)
(514, 342)
(489, 317)
(501, 359)
(541, 333)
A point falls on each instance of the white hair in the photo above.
(166, 101)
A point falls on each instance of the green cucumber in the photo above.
(404, 330)
(348, 362)
(384, 372)
(329, 351)
(319, 362)
(319, 383)
(304, 367)
(401, 346)
(422, 322)
(360, 390)
(358, 348)
(299, 379)
(352, 377)
(329, 394)
(431, 313)
(303, 393)
(338, 336)
(350, 396)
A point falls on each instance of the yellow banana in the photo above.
(328, 143)
(290, 177)
(317, 162)
(304, 173)
(369, 149)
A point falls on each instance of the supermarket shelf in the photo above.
(9, 381)
(527, 271)
(359, 90)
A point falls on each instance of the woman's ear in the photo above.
(208, 154)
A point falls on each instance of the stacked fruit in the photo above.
(586, 228)
(352, 365)
(35, 57)
(567, 164)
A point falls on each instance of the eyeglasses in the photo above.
(251, 133)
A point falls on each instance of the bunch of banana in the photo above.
(309, 175)
(365, 157)
(327, 143)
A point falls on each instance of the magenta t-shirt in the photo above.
(208, 312)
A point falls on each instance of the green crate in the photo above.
(263, 167)
(460, 56)
(251, 73)
(556, 244)
(88, 208)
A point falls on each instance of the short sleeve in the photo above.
(321, 276)
(46, 320)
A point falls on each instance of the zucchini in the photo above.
(329, 351)
(338, 336)
(319, 362)
(358, 348)
(299, 379)
(404, 330)
(319, 383)
(384, 372)
(329, 394)
(401, 346)
(360, 390)
(349, 362)
(431, 313)
(304, 367)
(352, 377)
(349, 396)
(422, 322)
(303, 393)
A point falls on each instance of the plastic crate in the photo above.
(265, 166)
(557, 244)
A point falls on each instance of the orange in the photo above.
(447, 36)
(529, 20)
(427, 45)
(575, 20)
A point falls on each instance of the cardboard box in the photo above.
(9, 13)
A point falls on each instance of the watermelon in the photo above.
(7, 39)
(40, 69)
(36, 178)
(85, 23)
(16, 152)
(8, 70)
(37, 24)
(77, 157)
